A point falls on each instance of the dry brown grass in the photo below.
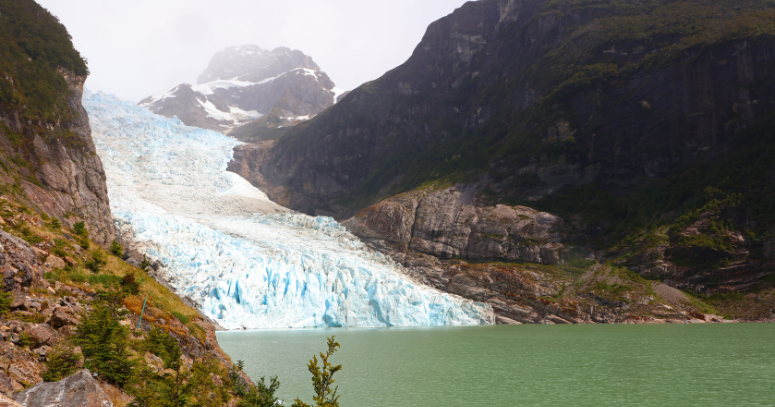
(159, 296)
(116, 396)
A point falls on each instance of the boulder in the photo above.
(6, 385)
(40, 334)
(39, 252)
(25, 372)
(154, 362)
(7, 402)
(18, 301)
(79, 390)
(26, 304)
(55, 262)
(63, 316)
(71, 261)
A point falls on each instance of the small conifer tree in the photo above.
(60, 364)
(322, 378)
(104, 342)
(5, 299)
(116, 249)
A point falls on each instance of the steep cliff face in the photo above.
(531, 97)
(246, 84)
(46, 151)
(646, 126)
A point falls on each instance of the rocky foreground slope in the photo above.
(250, 86)
(53, 286)
(66, 303)
(643, 128)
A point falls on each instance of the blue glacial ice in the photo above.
(245, 261)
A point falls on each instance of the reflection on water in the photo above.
(590, 365)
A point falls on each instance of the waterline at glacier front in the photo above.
(245, 261)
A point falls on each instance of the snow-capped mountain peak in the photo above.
(242, 84)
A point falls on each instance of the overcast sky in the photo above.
(136, 48)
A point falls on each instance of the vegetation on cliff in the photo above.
(34, 47)
(645, 125)
(47, 157)
(63, 314)
(578, 52)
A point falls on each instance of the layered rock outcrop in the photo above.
(446, 223)
(59, 170)
(19, 263)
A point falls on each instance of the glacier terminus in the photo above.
(245, 261)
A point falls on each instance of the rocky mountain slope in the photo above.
(53, 286)
(644, 126)
(70, 309)
(47, 157)
(243, 84)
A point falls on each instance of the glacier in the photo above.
(245, 261)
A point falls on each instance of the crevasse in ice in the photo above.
(245, 261)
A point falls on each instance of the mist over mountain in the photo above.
(247, 83)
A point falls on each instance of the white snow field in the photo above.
(245, 261)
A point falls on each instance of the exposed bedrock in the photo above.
(446, 223)
(60, 171)
(79, 390)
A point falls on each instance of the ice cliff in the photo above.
(247, 262)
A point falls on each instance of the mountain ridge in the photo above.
(644, 126)
(244, 84)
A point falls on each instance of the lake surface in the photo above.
(527, 365)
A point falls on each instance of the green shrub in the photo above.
(61, 362)
(104, 343)
(130, 285)
(5, 300)
(116, 249)
(182, 318)
(25, 341)
(106, 280)
(262, 395)
(34, 45)
(96, 262)
(80, 229)
(165, 347)
(35, 318)
(145, 263)
(55, 224)
(577, 265)
(30, 236)
(59, 248)
(176, 388)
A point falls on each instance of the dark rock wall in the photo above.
(473, 98)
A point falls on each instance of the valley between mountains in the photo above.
(532, 162)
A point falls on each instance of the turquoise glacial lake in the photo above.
(527, 365)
